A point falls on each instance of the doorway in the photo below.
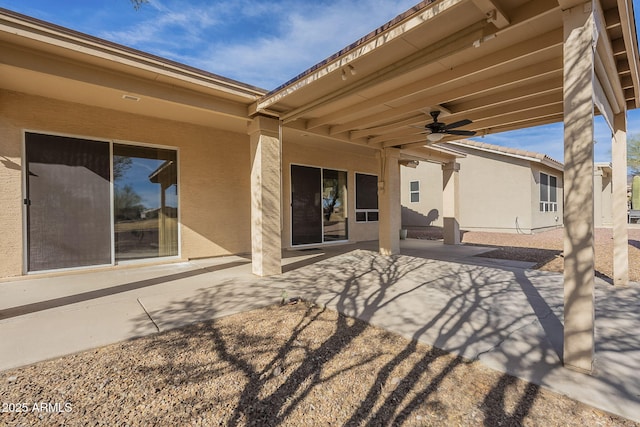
(318, 205)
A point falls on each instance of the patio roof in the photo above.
(498, 63)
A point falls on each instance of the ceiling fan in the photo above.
(437, 130)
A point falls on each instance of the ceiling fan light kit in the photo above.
(437, 130)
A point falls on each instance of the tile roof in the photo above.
(509, 151)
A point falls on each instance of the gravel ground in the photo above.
(299, 365)
(545, 249)
(288, 365)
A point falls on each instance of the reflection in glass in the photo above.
(334, 204)
(145, 189)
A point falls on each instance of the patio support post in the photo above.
(451, 203)
(619, 210)
(579, 258)
(597, 196)
(390, 220)
(266, 239)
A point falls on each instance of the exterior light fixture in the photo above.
(130, 98)
(352, 69)
(435, 137)
(344, 74)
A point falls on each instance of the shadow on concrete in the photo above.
(469, 311)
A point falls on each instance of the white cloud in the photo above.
(257, 42)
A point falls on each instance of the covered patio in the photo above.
(508, 318)
(497, 65)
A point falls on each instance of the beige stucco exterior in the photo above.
(603, 195)
(213, 171)
(498, 192)
(428, 210)
(352, 160)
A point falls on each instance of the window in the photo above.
(548, 193)
(414, 191)
(97, 202)
(366, 197)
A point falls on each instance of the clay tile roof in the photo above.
(509, 151)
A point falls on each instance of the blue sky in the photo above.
(263, 43)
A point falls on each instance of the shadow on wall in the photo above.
(411, 218)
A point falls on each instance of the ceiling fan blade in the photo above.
(459, 124)
(461, 132)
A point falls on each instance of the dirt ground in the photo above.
(545, 248)
(290, 365)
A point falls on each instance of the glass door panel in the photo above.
(334, 205)
(68, 202)
(306, 206)
(145, 202)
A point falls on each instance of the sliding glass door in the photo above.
(334, 205)
(318, 205)
(145, 200)
(70, 211)
(68, 202)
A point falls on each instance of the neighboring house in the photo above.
(501, 189)
(603, 195)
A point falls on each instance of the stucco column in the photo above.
(451, 203)
(390, 220)
(597, 197)
(266, 240)
(579, 259)
(619, 211)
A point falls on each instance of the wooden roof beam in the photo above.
(447, 93)
(494, 12)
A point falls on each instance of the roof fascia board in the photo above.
(47, 33)
(90, 74)
(365, 46)
(601, 100)
(428, 155)
(625, 10)
(605, 62)
(447, 46)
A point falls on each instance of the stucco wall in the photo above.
(307, 154)
(213, 171)
(603, 198)
(495, 193)
(428, 210)
(545, 220)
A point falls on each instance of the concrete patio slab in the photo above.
(507, 317)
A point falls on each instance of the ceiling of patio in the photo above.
(498, 63)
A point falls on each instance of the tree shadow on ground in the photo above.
(365, 285)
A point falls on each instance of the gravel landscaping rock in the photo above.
(545, 248)
(292, 365)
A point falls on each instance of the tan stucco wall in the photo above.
(497, 193)
(545, 220)
(302, 153)
(494, 193)
(603, 198)
(213, 171)
(428, 211)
